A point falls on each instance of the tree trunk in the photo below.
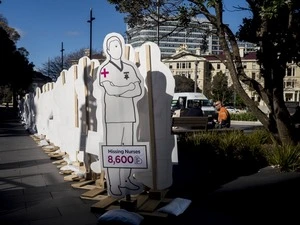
(285, 126)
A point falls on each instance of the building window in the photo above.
(170, 66)
(289, 84)
(288, 97)
(218, 66)
(289, 72)
(177, 65)
(253, 76)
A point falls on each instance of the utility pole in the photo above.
(196, 76)
(62, 56)
(157, 12)
(90, 21)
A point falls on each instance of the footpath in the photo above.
(32, 192)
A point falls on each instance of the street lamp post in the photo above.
(62, 55)
(90, 21)
(157, 12)
(196, 76)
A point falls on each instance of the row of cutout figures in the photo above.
(113, 117)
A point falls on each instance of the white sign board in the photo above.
(125, 156)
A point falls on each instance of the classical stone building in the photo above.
(203, 68)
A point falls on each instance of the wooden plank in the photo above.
(150, 205)
(58, 161)
(50, 148)
(153, 152)
(112, 207)
(61, 165)
(71, 177)
(104, 203)
(88, 187)
(141, 199)
(93, 192)
(66, 172)
(56, 154)
(96, 198)
(83, 183)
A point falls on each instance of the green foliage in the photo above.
(237, 153)
(247, 116)
(259, 137)
(227, 154)
(21, 78)
(5, 94)
(220, 89)
(184, 84)
(286, 157)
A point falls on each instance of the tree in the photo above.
(274, 26)
(13, 34)
(184, 84)
(53, 67)
(220, 89)
(19, 78)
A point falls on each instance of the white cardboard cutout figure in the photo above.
(90, 134)
(95, 135)
(68, 130)
(45, 104)
(122, 85)
(163, 85)
(58, 109)
(36, 106)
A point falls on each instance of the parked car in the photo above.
(231, 109)
(185, 100)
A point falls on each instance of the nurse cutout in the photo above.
(122, 84)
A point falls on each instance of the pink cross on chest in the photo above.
(104, 72)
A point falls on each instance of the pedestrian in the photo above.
(223, 116)
(195, 110)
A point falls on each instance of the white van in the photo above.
(187, 99)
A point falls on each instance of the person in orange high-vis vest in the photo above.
(223, 116)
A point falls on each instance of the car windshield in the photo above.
(196, 101)
(207, 103)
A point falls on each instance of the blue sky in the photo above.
(45, 24)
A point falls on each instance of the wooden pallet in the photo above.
(145, 205)
(73, 177)
(56, 155)
(50, 148)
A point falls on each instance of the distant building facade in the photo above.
(203, 68)
(191, 38)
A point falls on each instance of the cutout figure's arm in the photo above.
(111, 89)
(133, 93)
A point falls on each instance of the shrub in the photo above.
(248, 116)
(286, 157)
(224, 155)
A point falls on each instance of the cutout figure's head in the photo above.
(114, 47)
